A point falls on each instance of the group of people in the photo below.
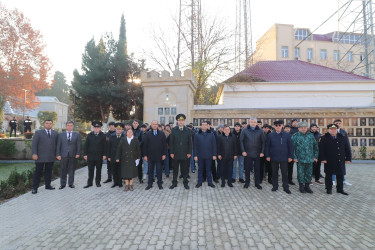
(13, 126)
(133, 151)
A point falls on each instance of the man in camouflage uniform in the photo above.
(306, 152)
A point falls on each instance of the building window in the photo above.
(296, 52)
(171, 119)
(162, 120)
(166, 110)
(362, 57)
(323, 54)
(160, 111)
(309, 54)
(284, 51)
(336, 55)
(350, 56)
(173, 111)
(301, 34)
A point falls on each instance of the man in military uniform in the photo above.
(13, 127)
(334, 152)
(95, 153)
(305, 154)
(113, 143)
(180, 150)
(111, 131)
(27, 124)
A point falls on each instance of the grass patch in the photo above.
(7, 168)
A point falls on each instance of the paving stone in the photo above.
(204, 218)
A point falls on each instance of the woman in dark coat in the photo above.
(128, 154)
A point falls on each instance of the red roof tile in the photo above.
(293, 71)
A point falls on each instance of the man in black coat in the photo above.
(95, 153)
(316, 165)
(113, 143)
(138, 133)
(213, 162)
(154, 150)
(111, 131)
(294, 127)
(334, 152)
(180, 150)
(27, 124)
(240, 159)
(252, 145)
(13, 127)
(226, 152)
(265, 166)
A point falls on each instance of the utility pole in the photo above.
(24, 107)
(366, 38)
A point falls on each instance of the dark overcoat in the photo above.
(95, 146)
(127, 154)
(180, 143)
(154, 146)
(335, 152)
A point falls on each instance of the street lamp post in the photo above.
(24, 107)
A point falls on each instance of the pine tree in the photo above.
(58, 89)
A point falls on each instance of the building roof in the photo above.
(293, 71)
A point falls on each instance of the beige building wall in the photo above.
(269, 48)
(166, 96)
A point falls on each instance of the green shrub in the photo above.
(7, 147)
(363, 152)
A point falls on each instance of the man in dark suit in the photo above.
(13, 127)
(113, 143)
(180, 150)
(43, 148)
(95, 153)
(110, 132)
(154, 149)
(67, 151)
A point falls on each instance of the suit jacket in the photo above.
(44, 146)
(154, 146)
(343, 132)
(68, 149)
(227, 146)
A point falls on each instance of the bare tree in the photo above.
(206, 46)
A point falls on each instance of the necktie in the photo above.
(96, 134)
(154, 132)
(49, 135)
(118, 137)
(69, 139)
(181, 129)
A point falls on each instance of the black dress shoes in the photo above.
(241, 180)
(211, 185)
(216, 181)
(160, 187)
(342, 192)
(258, 186)
(173, 186)
(50, 188)
(72, 186)
(230, 185)
(87, 186)
(108, 180)
(148, 187)
(61, 187)
(287, 191)
(329, 191)
(34, 191)
(222, 185)
(246, 186)
(186, 187)
(291, 183)
(198, 185)
(274, 189)
(98, 185)
(114, 185)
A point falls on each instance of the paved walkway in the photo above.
(205, 218)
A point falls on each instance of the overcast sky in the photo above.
(68, 25)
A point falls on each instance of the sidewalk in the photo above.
(205, 218)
